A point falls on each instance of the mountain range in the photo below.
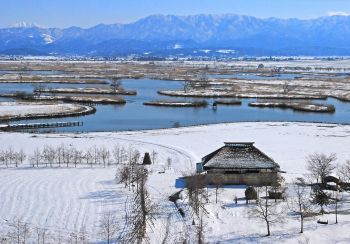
(195, 35)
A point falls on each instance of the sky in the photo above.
(87, 13)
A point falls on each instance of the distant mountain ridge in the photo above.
(186, 35)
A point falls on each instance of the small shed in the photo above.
(147, 159)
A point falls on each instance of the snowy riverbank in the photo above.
(26, 110)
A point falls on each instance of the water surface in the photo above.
(135, 116)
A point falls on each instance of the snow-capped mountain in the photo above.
(24, 24)
(164, 34)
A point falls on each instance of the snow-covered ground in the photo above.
(71, 199)
(15, 110)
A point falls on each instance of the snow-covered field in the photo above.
(69, 200)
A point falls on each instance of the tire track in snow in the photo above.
(31, 189)
(81, 218)
(32, 199)
(179, 151)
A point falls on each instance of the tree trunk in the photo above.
(268, 228)
(266, 214)
(336, 210)
(301, 218)
(301, 223)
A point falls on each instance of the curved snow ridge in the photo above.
(26, 110)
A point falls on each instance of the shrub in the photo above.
(250, 194)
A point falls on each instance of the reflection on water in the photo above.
(135, 116)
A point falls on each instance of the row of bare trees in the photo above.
(10, 156)
(134, 176)
(67, 156)
(143, 210)
(70, 156)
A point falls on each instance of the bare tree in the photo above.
(218, 183)
(48, 154)
(300, 204)
(286, 87)
(105, 156)
(134, 156)
(21, 156)
(42, 235)
(116, 84)
(36, 157)
(108, 226)
(197, 195)
(154, 156)
(67, 154)
(337, 197)
(344, 171)
(83, 236)
(2, 157)
(20, 231)
(321, 165)
(266, 211)
(200, 230)
(96, 155)
(73, 238)
(77, 156)
(123, 175)
(123, 155)
(59, 154)
(9, 156)
(117, 154)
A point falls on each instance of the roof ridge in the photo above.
(239, 154)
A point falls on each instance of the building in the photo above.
(239, 163)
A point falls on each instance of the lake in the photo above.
(135, 116)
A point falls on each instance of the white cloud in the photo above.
(338, 13)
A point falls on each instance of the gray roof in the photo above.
(238, 155)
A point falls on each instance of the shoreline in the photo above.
(89, 90)
(176, 104)
(180, 93)
(80, 110)
(302, 107)
(131, 131)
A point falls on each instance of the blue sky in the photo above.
(86, 13)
